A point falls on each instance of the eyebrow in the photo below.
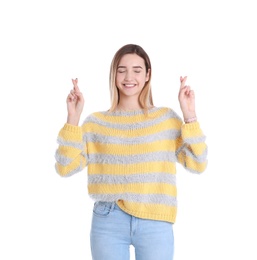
(135, 67)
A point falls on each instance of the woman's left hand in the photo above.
(186, 99)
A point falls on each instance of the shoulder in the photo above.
(171, 113)
(97, 117)
(91, 117)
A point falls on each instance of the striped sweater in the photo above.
(131, 158)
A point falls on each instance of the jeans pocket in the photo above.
(102, 209)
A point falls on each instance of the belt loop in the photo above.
(112, 206)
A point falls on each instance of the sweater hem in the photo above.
(145, 215)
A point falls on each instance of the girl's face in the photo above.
(131, 75)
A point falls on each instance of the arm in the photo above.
(71, 155)
(186, 99)
(192, 149)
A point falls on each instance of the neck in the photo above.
(128, 105)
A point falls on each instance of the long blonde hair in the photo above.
(145, 97)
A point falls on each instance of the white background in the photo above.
(46, 43)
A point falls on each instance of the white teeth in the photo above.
(129, 85)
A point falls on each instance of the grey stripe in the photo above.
(141, 198)
(158, 177)
(170, 134)
(85, 156)
(63, 142)
(131, 159)
(136, 125)
(130, 113)
(195, 140)
(63, 160)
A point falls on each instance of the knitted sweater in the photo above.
(131, 158)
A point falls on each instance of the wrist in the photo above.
(188, 120)
(73, 120)
(188, 115)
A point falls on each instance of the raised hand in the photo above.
(186, 98)
(75, 104)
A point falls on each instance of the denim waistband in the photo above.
(110, 205)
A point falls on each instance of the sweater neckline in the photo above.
(130, 111)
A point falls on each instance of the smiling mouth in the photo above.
(129, 85)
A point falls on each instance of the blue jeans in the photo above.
(113, 231)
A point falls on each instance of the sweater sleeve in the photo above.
(192, 149)
(71, 154)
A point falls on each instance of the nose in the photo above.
(128, 76)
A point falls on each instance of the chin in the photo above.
(129, 94)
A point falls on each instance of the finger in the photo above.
(72, 92)
(70, 98)
(183, 82)
(182, 78)
(75, 85)
(79, 95)
(76, 95)
(187, 90)
(74, 82)
(192, 93)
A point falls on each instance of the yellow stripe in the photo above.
(72, 136)
(199, 148)
(69, 151)
(138, 188)
(144, 167)
(196, 166)
(130, 119)
(165, 125)
(125, 149)
(181, 158)
(191, 130)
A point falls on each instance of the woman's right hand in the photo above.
(75, 104)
